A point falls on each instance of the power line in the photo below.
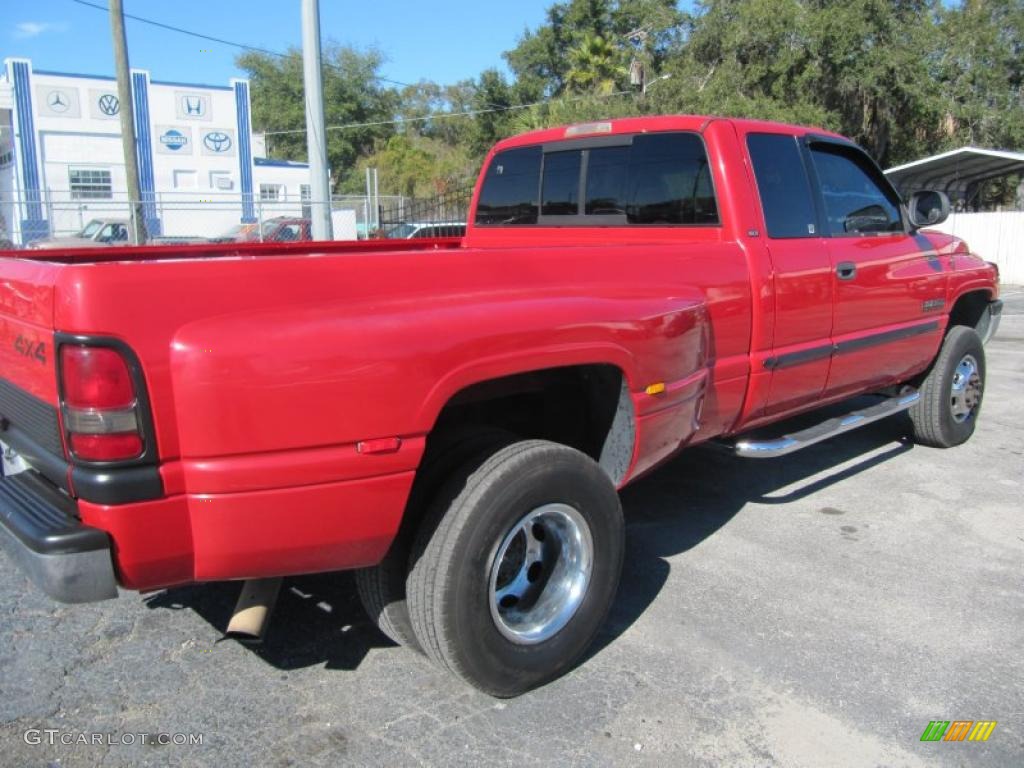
(398, 121)
(222, 41)
(445, 115)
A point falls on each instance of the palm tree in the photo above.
(594, 65)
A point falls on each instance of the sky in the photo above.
(443, 41)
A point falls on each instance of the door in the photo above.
(889, 285)
(802, 273)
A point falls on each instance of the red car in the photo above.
(455, 418)
(280, 229)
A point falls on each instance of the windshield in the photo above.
(91, 228)
(401, 231)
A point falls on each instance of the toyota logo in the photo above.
(109, 105)
(217, 141)
(57, 101)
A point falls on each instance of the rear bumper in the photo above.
(69, 561)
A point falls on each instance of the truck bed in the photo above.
(227, 250)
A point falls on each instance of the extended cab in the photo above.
(454, 417)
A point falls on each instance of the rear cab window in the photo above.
(656, 179)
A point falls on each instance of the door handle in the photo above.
(846, 270)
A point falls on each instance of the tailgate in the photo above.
(28, 378)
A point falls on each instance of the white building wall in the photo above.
(194, 165)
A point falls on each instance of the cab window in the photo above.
(856, 201)
(658, 179)
(511, 187)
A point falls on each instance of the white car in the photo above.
(97, 233)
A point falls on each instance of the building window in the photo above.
(305, 195)
(271, 192)
(90, 184)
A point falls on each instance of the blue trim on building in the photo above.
(244, 132)
(191, 85)
(73, 74)
(144, 152)
(278, 163)
(33, 226)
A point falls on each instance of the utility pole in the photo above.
(124, 99)
(316, 136)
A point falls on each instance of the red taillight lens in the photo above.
(95, 377)
(106, 447)
(100, 404)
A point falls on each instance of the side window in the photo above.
(670, 181)
(560, 194)
(782, 185)
(509, 192)
(855, 202)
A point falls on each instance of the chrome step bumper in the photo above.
(769, 449)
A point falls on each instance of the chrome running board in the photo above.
(769, 449)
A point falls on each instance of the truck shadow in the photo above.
(691, 497)
(318, 619)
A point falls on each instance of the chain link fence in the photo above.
(196, 217)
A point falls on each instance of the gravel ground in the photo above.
(815, 610)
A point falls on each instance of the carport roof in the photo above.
(951, 172)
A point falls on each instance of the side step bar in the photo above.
(769, 449)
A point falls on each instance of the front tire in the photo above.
(951, 393)
(516, 566)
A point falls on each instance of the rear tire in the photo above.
(381, 588)
(535, 521)
(951, 392)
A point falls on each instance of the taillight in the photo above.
(100, 404)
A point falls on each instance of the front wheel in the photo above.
(951, 393)
(515, 568)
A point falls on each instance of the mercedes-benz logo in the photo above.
(58, 101)
(109, 105)
(217, 141)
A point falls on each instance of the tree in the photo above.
(352, 97)
(588, 44)
(594, 65)
(982, 71)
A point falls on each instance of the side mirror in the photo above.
(928, 208)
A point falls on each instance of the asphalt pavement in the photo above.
(816, 610)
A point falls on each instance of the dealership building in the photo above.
(201, 168)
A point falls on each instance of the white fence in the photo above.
(997, 237)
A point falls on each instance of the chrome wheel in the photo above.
(966, 390)
(540, 573)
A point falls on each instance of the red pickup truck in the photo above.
(453, 417)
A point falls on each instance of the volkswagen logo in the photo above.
(58, 101)
(217, 141)
(109, 105)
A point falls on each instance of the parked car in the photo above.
(417, 230)
(454, 418)
(281, 229)
(97, 233)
